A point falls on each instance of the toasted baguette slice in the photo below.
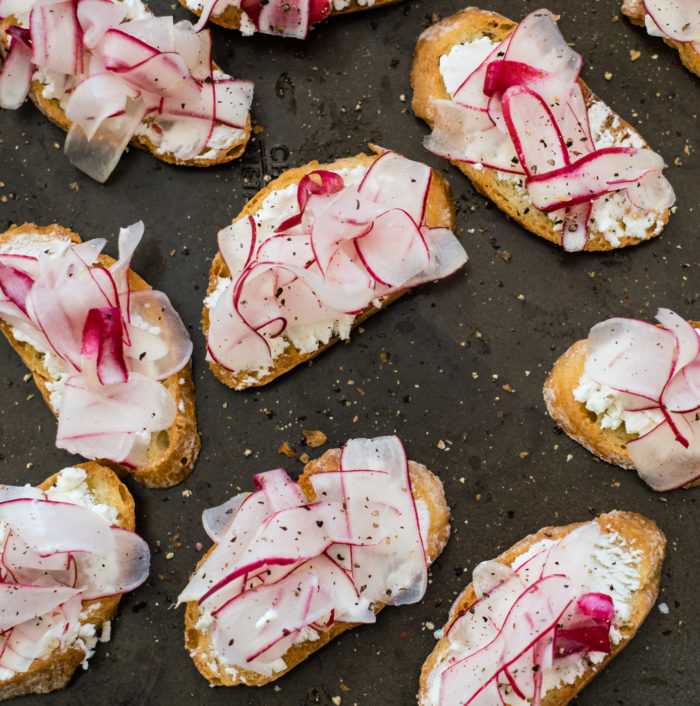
(440, 211)
(638, 531)
(55, 672)
(230, 18)
(54, 110)
(466, 26)
(634, 10)
(580, 423)
(172, 452)
(426, 486)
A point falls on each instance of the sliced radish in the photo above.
(16, 74)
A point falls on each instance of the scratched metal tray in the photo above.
(456, 369)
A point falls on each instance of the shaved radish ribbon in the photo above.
(526, 620)
(654, 368)
(522, 111)
(109, 347)
(281, 18)
(53, 556)
(285, 567)
(115, 77)
(677, 20)
(347, 247)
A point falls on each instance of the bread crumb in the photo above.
(569, 457)
(286, 449)
(608, 75)
(441, 444)
(508, 388)
(505, 254)
(186, 493)
(304, 458)
(336, 700)
(315, 438)
(169, 556)
(524, 454)
(521, 297)
(248, 452)
(634, 54)
(27, 377)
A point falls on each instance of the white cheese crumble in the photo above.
(613, 215)
(606, 403)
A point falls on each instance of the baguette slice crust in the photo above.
(230, 18)
(636, 528)
(52, 109)
(440, 211)
(465, 26)
(580, 423)
(426, 486)
(55, 672)
(634, 10)
(172, 453)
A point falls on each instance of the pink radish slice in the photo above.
(661, 461)
(98, 155)
(15, 285)
(125, 569)
(318, 183)
(216, 520)
(589, 629)
(488, 575)
(103, 345)
(574, 230)
(56, 36)
(8, 8)
(194, 48)
(19, 602)
(286, 18)
(96, 17)
(280, 491)
(233, 100)
(16, 74)
(467, 135)
(470, 93)
(17, 554)
(394, 182)
(600, 172)
(677, 19)
(49, 527)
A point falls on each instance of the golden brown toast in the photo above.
(466, 26)
(638, 531)
(55, 672)
(425, 485)
(172, 452)
(580, 423)
(439, 212)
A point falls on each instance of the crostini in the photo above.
(110, 355)
(315, 253)
(110, 73)
(296, 564)
(677, 21)
(630, 394)
(280, 18)
(508, 109)
(69, 551)
(543, 618)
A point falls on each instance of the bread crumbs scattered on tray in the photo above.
(634, 54)
(304, 458)
(287, 450)
(314, 438)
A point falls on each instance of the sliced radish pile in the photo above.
(654, 368)
(283, 564)
(281, 18)
(114, 346)
(346, 247)
(522, 111)
(123, 71)
(524, 620)
(53, 556)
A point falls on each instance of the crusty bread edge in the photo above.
(634, 10)
(469, 24)
(636, 528)
(579, 423)
(167, 465)
(230, 18)
(51, 108)
(55, 672)
(440, 211)
(425, 486)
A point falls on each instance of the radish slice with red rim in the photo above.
(16, 74)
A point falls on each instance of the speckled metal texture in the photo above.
(456, 369)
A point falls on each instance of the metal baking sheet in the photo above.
(433, 368)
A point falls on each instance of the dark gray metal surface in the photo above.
(432, 368)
